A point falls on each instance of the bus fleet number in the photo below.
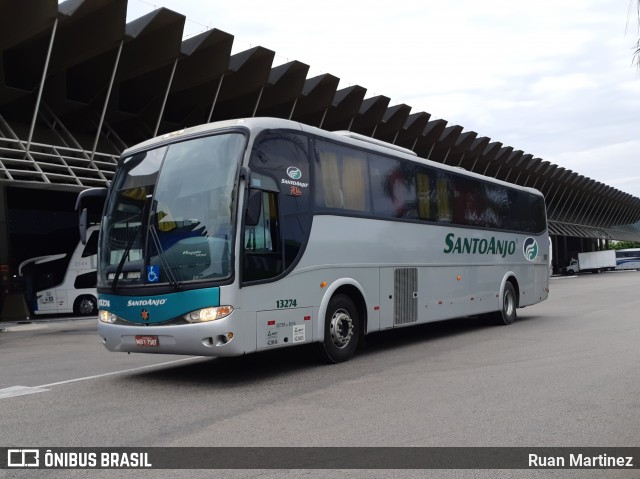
(286, 303)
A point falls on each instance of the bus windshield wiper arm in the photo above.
(163, 259)
(122, 260)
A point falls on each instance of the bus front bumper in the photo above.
(215, 338)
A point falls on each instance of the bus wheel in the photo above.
(86, 305)
(509, 304)
(341, 330)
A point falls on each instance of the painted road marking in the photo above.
(24, 390)
(14, 391)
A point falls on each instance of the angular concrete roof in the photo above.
(71, 70)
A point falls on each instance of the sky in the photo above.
(555, 79)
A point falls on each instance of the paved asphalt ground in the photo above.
(566, 373)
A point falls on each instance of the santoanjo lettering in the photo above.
(147, 302)
(294, 183)
(462, 245)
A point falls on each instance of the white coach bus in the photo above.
(246, 235)
(76, 293)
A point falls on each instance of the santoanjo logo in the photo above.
(492, 245)
(530, 249)
(294, 173)
(147, 302)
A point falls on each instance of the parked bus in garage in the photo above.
(247, 235)
(76, 293)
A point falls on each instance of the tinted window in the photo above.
(469, 201)
(497, 206)
(280, 168)
(262, 245)
(383, 187)
(393, 188)
(91, 247)
(526, 212)
(342, 177)
(86, 280)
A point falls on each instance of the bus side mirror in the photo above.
(92, 198)
(254, 207)
(99, 192)
(82, 225)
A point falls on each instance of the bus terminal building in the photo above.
(79, 85)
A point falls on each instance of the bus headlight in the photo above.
(106, 316)
(208, 314)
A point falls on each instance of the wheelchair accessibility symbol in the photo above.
(153, 274)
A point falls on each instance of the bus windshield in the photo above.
(170, 213)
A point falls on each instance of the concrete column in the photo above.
(4, 246)
(4, 226)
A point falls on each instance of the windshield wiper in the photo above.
(124, 257)
(163, 259)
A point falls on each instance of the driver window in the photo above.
(262, 254)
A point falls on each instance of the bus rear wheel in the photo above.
(85, 305)
(341, 330)
(507, 314)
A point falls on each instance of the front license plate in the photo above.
(147, 341)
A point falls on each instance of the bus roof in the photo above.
(265, 123)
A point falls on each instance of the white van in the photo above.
(77, 292)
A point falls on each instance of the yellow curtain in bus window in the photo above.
(330, 180)
(444, 202)
(353, 176)
(424, 196)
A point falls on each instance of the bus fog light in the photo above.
(224, 338)
(106, 316)
(208, 314)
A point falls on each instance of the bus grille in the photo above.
(405, 302)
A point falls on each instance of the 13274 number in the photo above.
(286, 303)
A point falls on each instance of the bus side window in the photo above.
(342, 178)
(426, 210)
(86, 280)
(91, 248)
(443, 197)
(262, 251)
(393, 187)
(497, 205)
(469, 201)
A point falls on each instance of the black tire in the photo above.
(341, 330)
(85, 305)
(507, 314)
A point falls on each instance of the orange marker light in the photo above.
(459, 278)
(323, 284)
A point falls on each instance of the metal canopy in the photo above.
(79, 85)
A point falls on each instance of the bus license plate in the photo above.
(147, 341)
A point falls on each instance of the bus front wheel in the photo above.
(341, 330)
(85, 305)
